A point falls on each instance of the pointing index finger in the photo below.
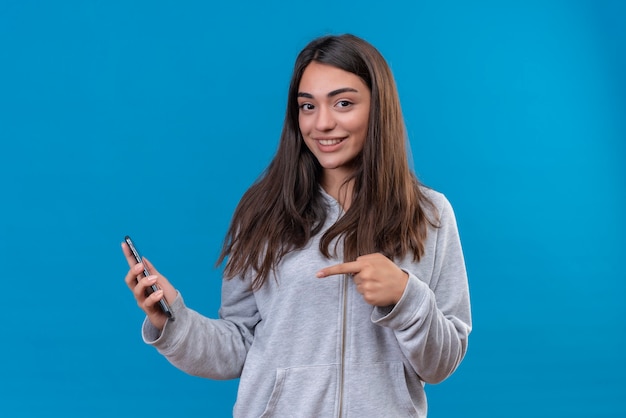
(352, 267)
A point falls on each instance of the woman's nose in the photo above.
(325, 120)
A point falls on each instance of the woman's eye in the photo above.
(343, 103)
(306, 106)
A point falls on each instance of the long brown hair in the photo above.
(284, 208)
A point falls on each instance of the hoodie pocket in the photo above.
(304, 392)
(378, 390)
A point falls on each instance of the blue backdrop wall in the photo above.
(151, 118)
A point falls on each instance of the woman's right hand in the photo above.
(138, 284)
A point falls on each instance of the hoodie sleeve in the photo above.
(212, 348)
(432, 320)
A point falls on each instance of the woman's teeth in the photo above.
(329, 141)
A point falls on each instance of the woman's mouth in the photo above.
(327, 142)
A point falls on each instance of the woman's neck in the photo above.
(334, 183)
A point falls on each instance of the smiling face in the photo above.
(334, 108)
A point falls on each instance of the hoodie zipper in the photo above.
(343, 342)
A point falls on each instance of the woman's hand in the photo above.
(138, 285)
(377, 278)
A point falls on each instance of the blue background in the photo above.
(151, 118)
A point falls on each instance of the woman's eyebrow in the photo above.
(342, 90)
(330, 94)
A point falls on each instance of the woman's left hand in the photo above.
(377, 278)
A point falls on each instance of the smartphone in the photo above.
(162, 303)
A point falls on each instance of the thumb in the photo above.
(149, 266)
(168, 290)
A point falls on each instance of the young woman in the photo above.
(345, 287)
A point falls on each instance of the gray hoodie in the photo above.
(309, 347)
